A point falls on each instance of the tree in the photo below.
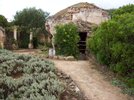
(123, 10)
(110, 11)
(66, 39)
(31, 18)
(113, 43)
(3, 21)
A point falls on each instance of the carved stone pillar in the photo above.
(2, 45)
(30, 45)
(15, 33)
(2, 38)
(15, 44)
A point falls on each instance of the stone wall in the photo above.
(82, 11)
(95, 16)
(2, 37)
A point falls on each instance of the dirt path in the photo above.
(90, 81)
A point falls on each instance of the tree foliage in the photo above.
(66, 39)
(123, 10)
(113, 43)
(110, 11)
(31, 18)
(3, 21)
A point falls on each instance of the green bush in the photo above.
(24, 77)
(3, 21)
(66, 40)
(121, 84)
(113, 44)
(123, 10)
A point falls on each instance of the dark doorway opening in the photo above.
(82, 42)
(23, 39)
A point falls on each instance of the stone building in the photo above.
(2, 37)
(84, 15)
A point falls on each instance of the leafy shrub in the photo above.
(26, 77)
(113, 43)
(124, 86)
(3, 21)
(66, 40)
(123, 10)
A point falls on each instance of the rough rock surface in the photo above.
(72, 92)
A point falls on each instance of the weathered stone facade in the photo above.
(81, 12)
(2, 37)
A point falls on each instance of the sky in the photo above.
(8, 8)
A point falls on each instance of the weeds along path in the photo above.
(90, 81)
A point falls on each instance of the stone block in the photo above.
(70, 58)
